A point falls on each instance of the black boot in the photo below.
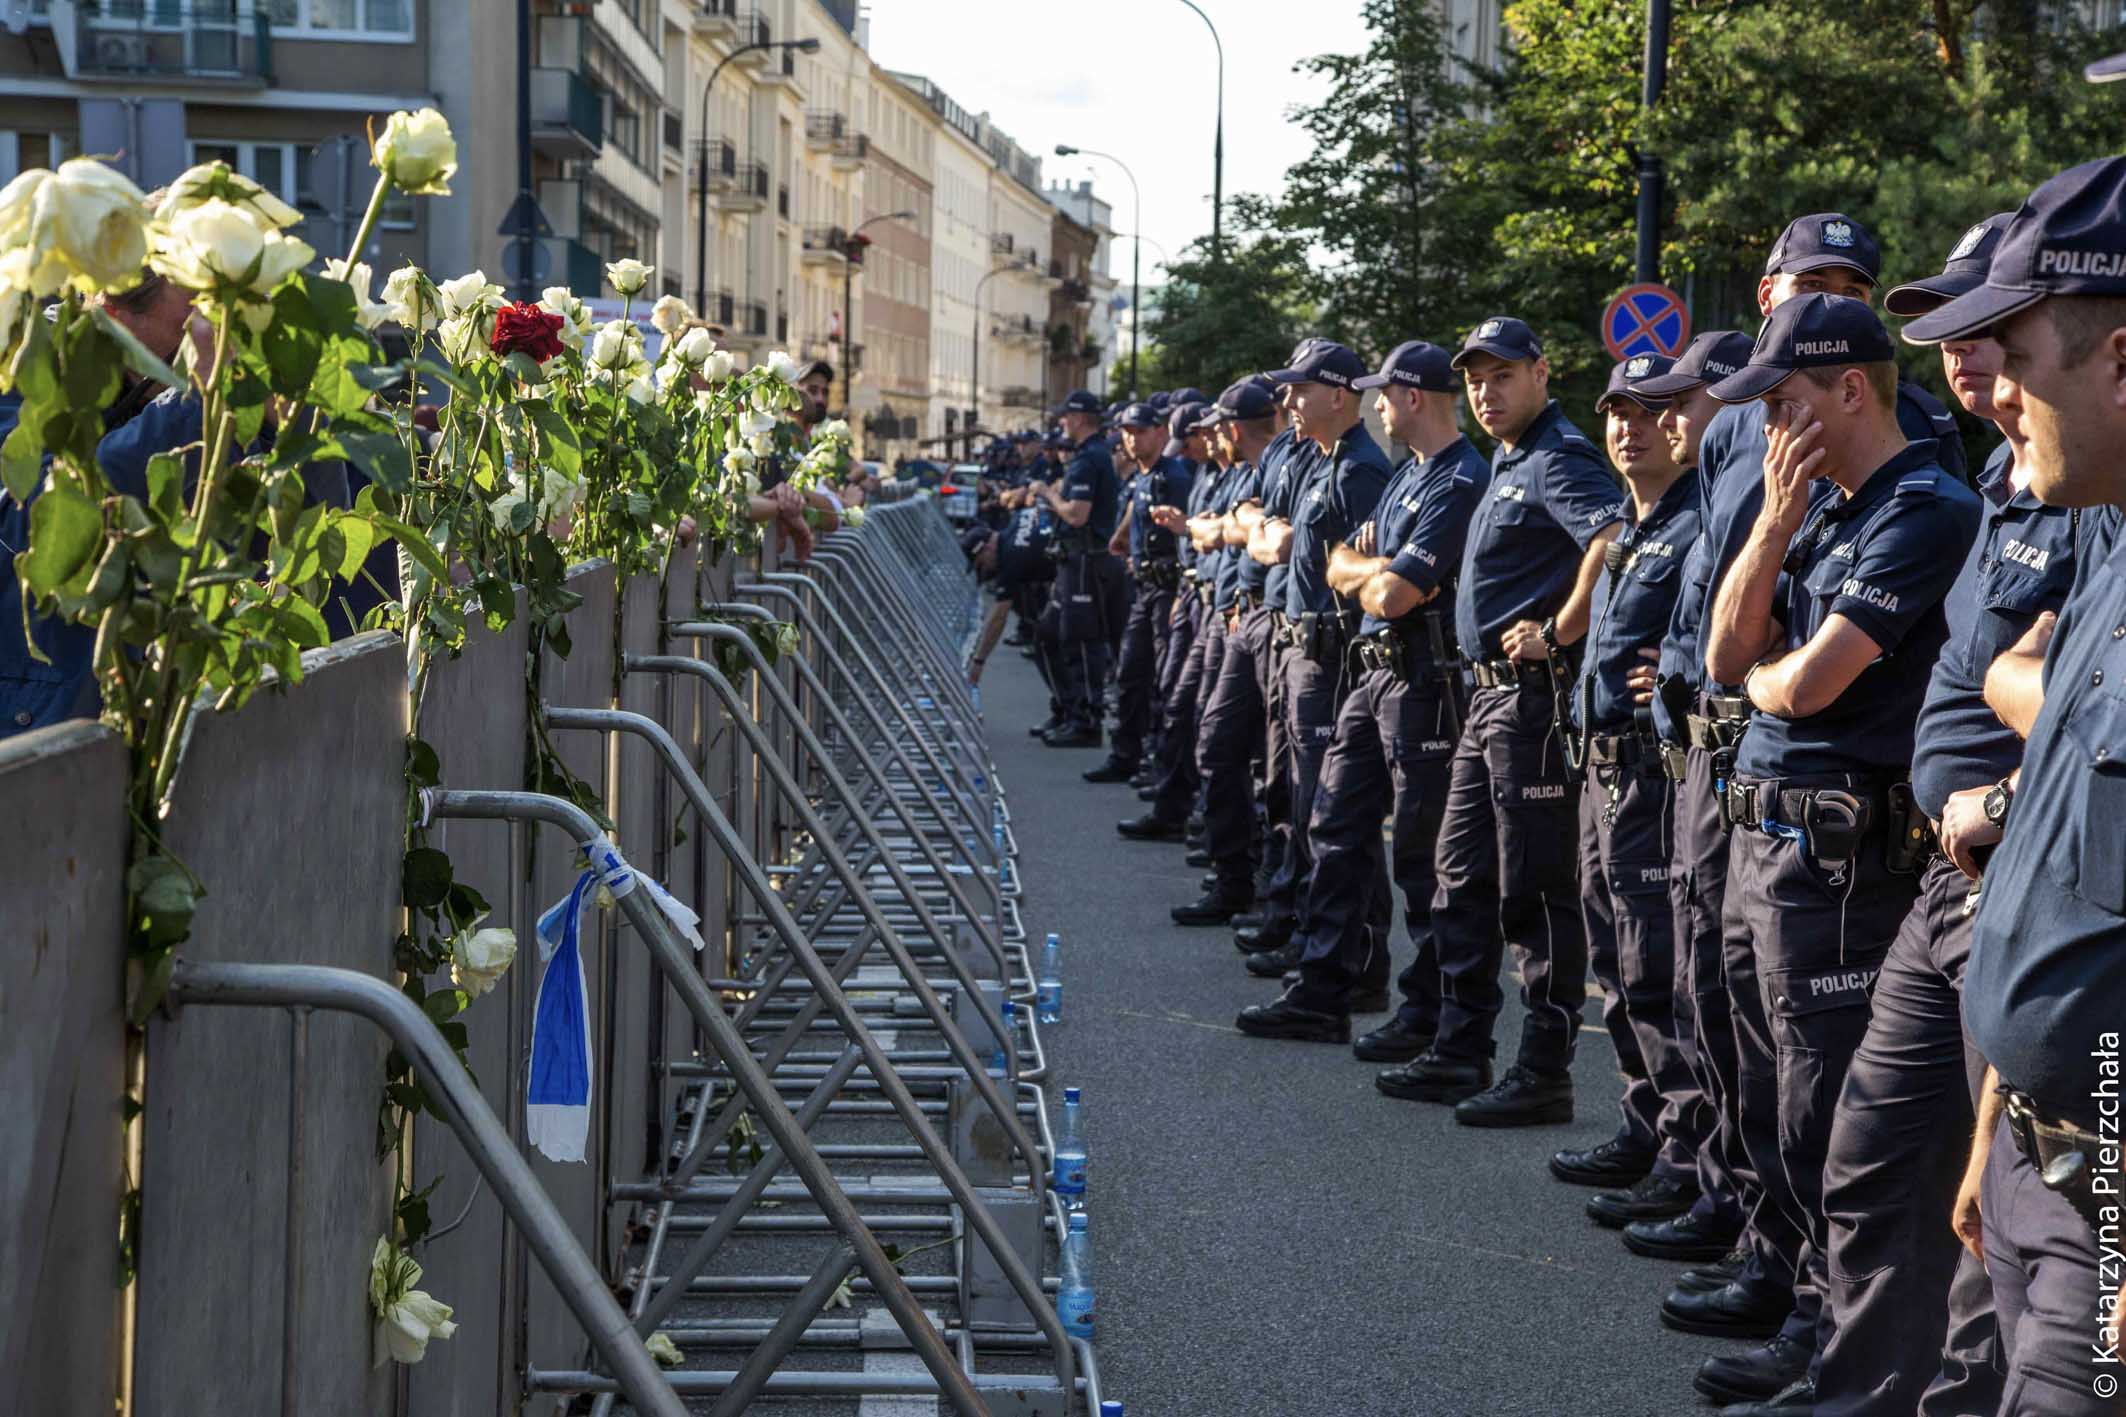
(1687, 1237)
(1706, 1278)
(1657, 1197)
(1042, 730)
(1755, 1375)
(1273, 964)
(1113, 770)
(1149, 827)
(1215, 908)
(1198, 858)
(1522, 1098)
(1075, 735)
(1746, 1308)
(1287, 1016)
(1393, 1042)
(1615, 1162)
(1271, 934)
(1435, 1079)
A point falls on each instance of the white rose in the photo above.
(18, 204)
(471, 291)
(752, 484)
(282, 257)
(367, 313)
(762, 444)
(670, 314)
(616, 346)
(503, 511)
(94, 222)
(664, 1350)
(480, 959)
(718, 366)
(417, 152)
(739, 460)
(462, 339)
(783, 366)
(754, 423)
(694, 347)
(211, 180)
(406, 1318)
(15, 314)
(704, 401)
(412, 298)
(211, 244)
(642, 389)
(562, 494)
(628, 276)
(852, 517)
(833, 428)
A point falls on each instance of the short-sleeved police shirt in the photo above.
(1279, 498)
(1022, 551)
(1242, 484)
(1423, 519)
(2021, 564)
(2043, 992)
(1271, 468)
(1731, 493)
(1550, 497)
(1883, 558)
(1337, 500)
(1633, 605)
(1090, 478)
(1165, 483)
(1204, 482)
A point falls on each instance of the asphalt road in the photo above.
(1272, 1237)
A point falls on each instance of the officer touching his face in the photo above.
(2041, 997)
(1155, 568)
(1506, 855)
(1831, 619)
(1089, 592)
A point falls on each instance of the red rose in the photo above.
(523, 328)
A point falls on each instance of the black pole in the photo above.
(527, 284)
(1649, 244)
(701, 204)
(1217, 142)
(849, 250)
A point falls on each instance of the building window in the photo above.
(284, 170)
(343, 19)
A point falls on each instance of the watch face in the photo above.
(1996, 806)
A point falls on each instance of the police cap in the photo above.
(1501, 337)
(2067, 238)
(1964, 271)
(1708, 359)
(1249, 398)
(1624, 383)
(1140, 415)
(1078, 401)
(1414, 364)
(1823, 240)
(1324, 362)
(1810, 331)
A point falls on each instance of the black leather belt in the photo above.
(2066, 1158)
(1618, 750)
(1510, 674)
(1675, 760)
(1158, 574)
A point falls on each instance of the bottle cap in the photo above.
(1009, 1009)
(1070, 1094)
(1077, 1220)
(1110, 1409)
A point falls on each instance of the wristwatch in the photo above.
(1998, 801)
(1549, 631)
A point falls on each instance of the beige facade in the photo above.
(887, 376)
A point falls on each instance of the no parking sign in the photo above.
(1645, 319)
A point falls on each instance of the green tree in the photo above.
(1215, 320)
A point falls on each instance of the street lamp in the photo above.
(1217, 141)
(701, 209)
(975, 412)
(1136, 249)
(851, 246)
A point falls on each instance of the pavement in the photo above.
(1273, 1237)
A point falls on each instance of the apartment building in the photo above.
(1099, 329)
(1069, 355)
(887, 376)
(1021, 224)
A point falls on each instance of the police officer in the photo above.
(1340, 496)
(1089, 592)
(2047, 971)
(1755, 1295)
(1155, 569)
(1832, 640)
(1897, 1151)
(1018, 560)
(1627, 806)
(1506, 854)
(1396, 730)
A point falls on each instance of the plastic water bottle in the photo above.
(1000, 1056)
(1110, 1409)
(1074, 1301)
(974, 692)
(1069, 1179)
(1048, 1006)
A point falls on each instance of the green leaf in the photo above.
(525, 368)
(293, 343)
(425, 878)
(65, 528)
(22, 455)
(423, 767)
(465, 905)
(417, 546)
(301, 623)
(559, 447)
(166, 485)
(138, 357)
(332, 304)
(380, 455)
(357, 536)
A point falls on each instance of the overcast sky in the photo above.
(1136, 78)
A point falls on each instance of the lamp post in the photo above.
(851, 246)
(1217, 142)
(1136, 249)
(974, 412)
(701, 207)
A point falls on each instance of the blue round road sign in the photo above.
(1645, 319)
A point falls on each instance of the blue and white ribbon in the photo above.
(557, 1094)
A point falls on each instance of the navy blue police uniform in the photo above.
(1626, 810)
(1155, 573)
(1191, 659)
(1507, 862)
(1395, 734)
(1820, 875)
(1089, 596)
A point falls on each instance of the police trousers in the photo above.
(1705, 1027)
(1227, 741)
(1506, 862)
(1626, 832)
(1390, 757)
(1313, 696)
(1089, 598)
(1175, 797)
(1907, 1304)
(1137, 670)
(1274, 786)
(1819, 935)
(2047, 1284)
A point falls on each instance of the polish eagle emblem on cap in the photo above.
(1970, 242)
(1636, 367)
(1838, 233)
(1488, 330)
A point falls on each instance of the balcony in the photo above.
(826, 246)
(751, 325)
(567, 114)
(851, 151)
(225, 43)
(1017, 329)
(824, 130)
(715, 164)
(748, 191)
(784, 72)
(753, 28)
(723, 309)
(1002, 243)
(1022, 397)
(717, 19)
